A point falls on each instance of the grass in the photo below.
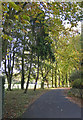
(69, 95)
(16, 102)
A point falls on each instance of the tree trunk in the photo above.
(42, 84)
(62, 81)
(28, 78)
(47, 84)
(52, 77)
(37, 75)
(9, 72)
(55, 79)
(59, 78)
(10, 66)
(44, 78)
(66, 79)
(29, 75)
(56, 75)
(22, 79)
(9, 83)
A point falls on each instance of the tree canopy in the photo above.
(36, 43)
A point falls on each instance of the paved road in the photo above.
(53, 105)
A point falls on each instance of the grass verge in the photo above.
(16, 102)
(77, 100)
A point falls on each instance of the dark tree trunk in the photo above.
(37, 75)
(9, 87)
(66, 79)
(29, 75)
(42, 84)
(62, 81)
(28, 78)
(56, 76)
(55, 79)
(44, 78)
(22, 79)
(59, 78)
(47, 84)
(9, 84)
(9, 73)
(52, 77)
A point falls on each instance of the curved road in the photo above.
(53, 104)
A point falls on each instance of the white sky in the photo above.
(67, 24)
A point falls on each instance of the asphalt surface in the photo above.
(53, 104)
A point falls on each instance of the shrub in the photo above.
(76, 75)
(77, 83)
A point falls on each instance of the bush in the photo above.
(76, 75)
(75, 92)
(77, 83)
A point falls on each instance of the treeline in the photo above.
(37, 45)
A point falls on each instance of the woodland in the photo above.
(37, 47)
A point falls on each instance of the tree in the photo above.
(10, 16)
(39, 31)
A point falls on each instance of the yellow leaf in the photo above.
(16, 16)
(37, 21)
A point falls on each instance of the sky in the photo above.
(67, 24)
